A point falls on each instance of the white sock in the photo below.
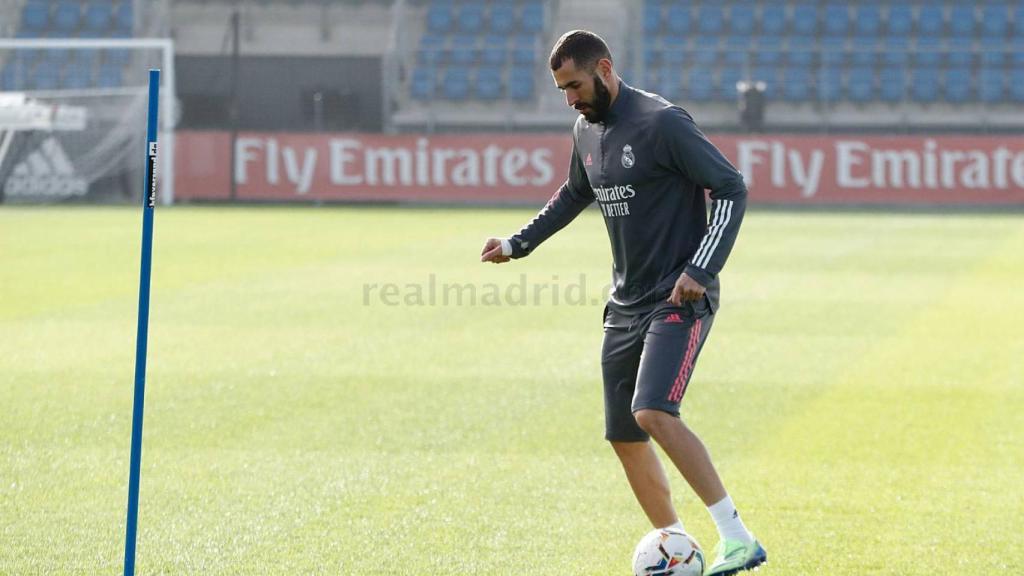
(728, 521)
(677, 526)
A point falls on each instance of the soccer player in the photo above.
(647, 165)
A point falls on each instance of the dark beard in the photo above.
(602, 102)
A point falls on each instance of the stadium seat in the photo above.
(993, 51)
(124, 18)
(710, 19)
(704, 52)
(488, 83)
(652, 18)
(768, 51)
(57, 56)
(699, 85)
(502, 18)
(860, 84)
(805, 19)
(830, 84)
(77, 77)
(770, 76)
(422, 85)
(533, 17)
(521, 83)
(742, 19)
(896, 51)
(494, 50)
(117, 56)
(1018, 22)
(736, 50)
(1017, 85)
(959, 52)
(994, 20)
(455, 85)
(46, 76)
(525, 50)
(990, 85)
(98, 15)
(928, 52)
(957, 85)
(868, 21)
(727, 80)
(800, 51)
(796, 84)
(864, 50)
(470, 18)
(892, 84)
(962, 20)
(439, 17)
(679, 19)
(35, 15)
(833, 50)
(924, 84)
(930, 21)
(431, 49)
(463, 49)
(10, 78)
(652, 50)
(109, 76)
(837, 19)
(674, 51)
(66, 16)
(900, 20)
(773, 19)
(88, 58)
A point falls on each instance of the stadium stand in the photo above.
(83, 68)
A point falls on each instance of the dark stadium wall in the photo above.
(496, 168)
(282, 93)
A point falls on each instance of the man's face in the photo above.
(584, 90)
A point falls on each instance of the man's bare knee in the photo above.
(655, 422)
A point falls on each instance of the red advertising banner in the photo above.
(527, 168)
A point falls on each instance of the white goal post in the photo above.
(112, 112)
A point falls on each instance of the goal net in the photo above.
(73, 119)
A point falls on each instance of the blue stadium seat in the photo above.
(652, 50)
(125, 18)
(837, 19)
(77, 77)
(679, 18)
(900, 20)
(833, 50)
(1018, 21)
(896, 51)
(801, 51)
(868, 21)
(962, 20)
(994, 19)
(928, 52)
(35, 15)
(525, 51)
(520, 85)
(710, 19)
(463, 49)
(67, 16)
(768, 51)
(117, 56)
(88, 58)
(10, 79)
(667, 84)
(770, 76)
(924, 84)
(957, 85)
(1017, 85)
(959, 52)
(736, 50)
(98, 15)
(805, 19)
(864, 50)
(46, 76)
(57, 56)
(700, 85)
(439, 17)
(494, 50)
(533, 17)
(830, 84)
(674, 51)
(796, 84)
(109, 76)
(652, 18)
(741, 19)
(470, 18)
(422, 85)
(704, 52)
(860, 84)
(993, 51)
(455, 85)
(991, 82)
(892, 84)
(727, 79)
(488, 83)
(930, 21)
(773, 19)
(431, 49)
(502, 18)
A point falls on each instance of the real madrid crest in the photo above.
(627, 156)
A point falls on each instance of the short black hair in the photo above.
(583, 47)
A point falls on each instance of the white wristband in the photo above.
(506, 247)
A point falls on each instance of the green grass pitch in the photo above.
(862, 393)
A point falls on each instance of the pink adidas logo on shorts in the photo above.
(673, 318)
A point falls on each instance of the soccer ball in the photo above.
(668, 552)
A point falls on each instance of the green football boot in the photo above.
(733, 556)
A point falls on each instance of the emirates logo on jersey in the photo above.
(628, 160)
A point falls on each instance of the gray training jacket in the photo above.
(647, 165)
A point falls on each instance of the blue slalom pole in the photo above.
(148, 203)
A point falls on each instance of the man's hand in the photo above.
(492, 252)
(686, 290)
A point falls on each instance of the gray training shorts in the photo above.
(647, 360)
